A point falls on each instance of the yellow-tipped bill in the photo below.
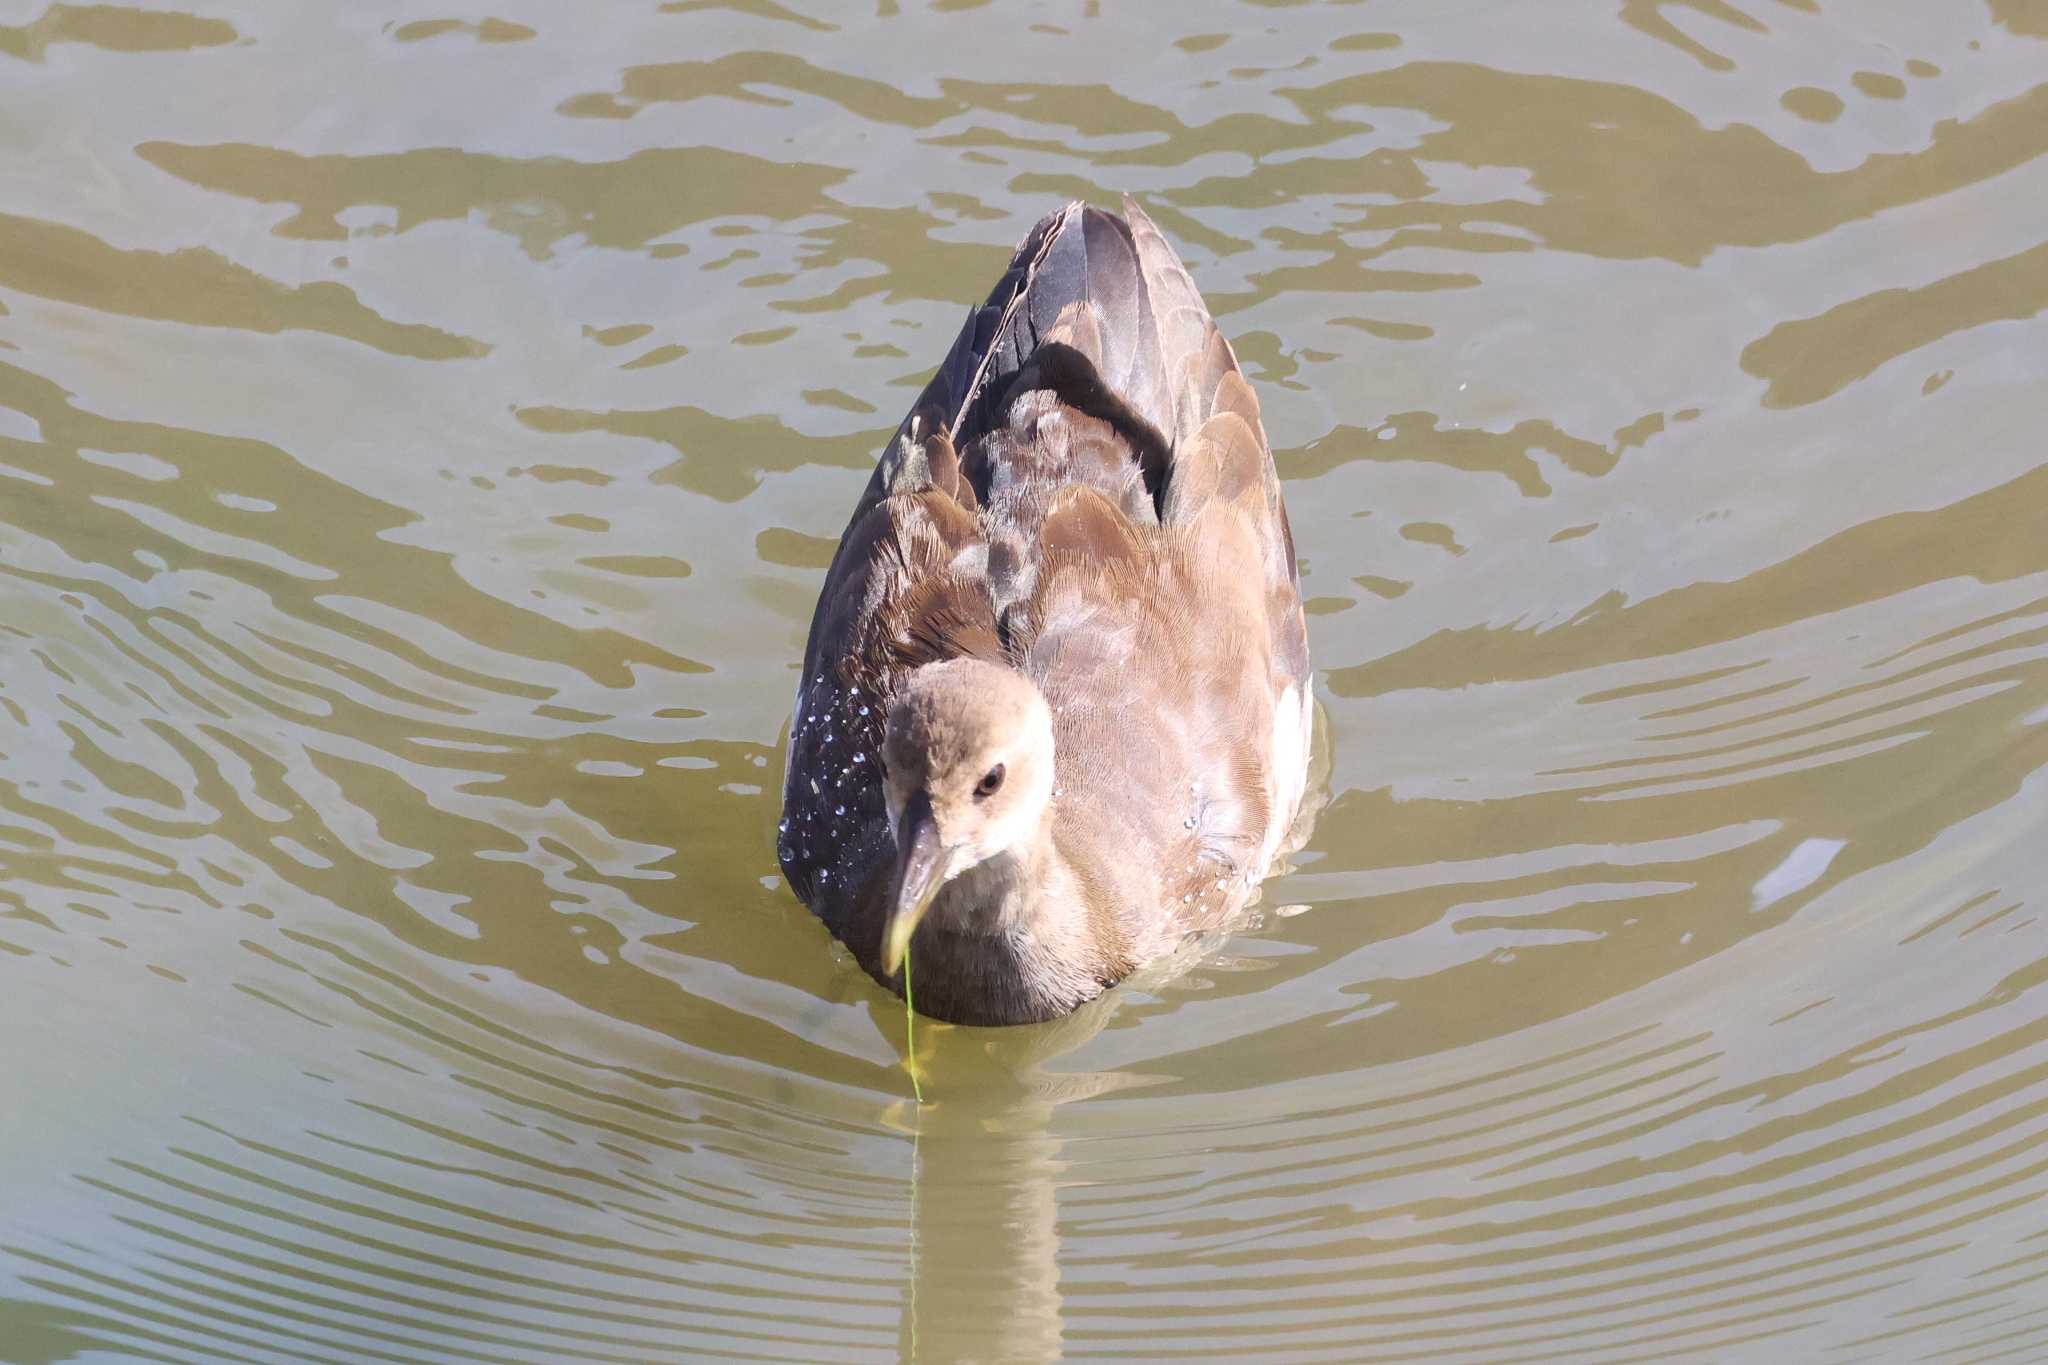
(922, 866)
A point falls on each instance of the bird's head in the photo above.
(968, 759)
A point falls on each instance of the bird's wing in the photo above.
(905, 589)
(1175, 648)
(1219, 441)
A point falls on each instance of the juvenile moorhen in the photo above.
(1054, 713)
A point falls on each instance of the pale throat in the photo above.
(1005, 893)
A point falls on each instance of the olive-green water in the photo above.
(421, 435)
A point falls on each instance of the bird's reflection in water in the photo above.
(986, 1168)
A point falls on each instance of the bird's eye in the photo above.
(990, 780)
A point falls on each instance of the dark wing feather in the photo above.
(897, 597)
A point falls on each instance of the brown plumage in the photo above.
(1054, 713)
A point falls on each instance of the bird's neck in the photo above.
(1006, 894)
(1018, 928)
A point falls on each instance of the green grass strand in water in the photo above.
(910, 1029)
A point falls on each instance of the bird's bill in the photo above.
(922, 866)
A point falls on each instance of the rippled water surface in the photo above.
(422, 434)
